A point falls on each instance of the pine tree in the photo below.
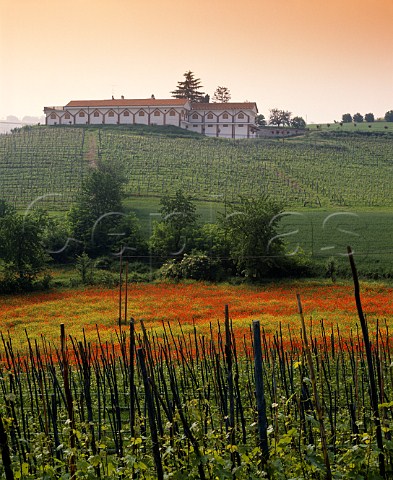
(189, 88)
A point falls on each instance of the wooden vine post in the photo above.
(371, 374)
(120, 289)
(259, 391)
(5, 452)
(151, 414)
(70, 406)
(318, 406)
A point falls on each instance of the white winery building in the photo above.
(227, 120)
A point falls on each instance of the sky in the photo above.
(316, 58)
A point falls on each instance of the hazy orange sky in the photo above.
(318, 59)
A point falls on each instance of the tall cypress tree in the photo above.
(189, 88)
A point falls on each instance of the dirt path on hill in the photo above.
(91, 154)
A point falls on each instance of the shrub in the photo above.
(103, 263)
(171, 270)
(105, 278)
(196, 266)
(389, 116)
(331, 269)
(369, 117)
(84, 266)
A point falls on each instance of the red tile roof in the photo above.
(146, 102)
(224, 106)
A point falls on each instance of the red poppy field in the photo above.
(191, 304)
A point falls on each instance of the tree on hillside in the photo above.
(189, 88)
(251, 232)
(175, 234)
(98, 219)
(369, 117)
(260, 120)
(221, 95)
(21, 246)
(346, 118)
(279, 117)
(298, 122)
(5, 208)
(358, 117)
(389, 116)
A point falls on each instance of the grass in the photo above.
(147, 210)
(327, 234)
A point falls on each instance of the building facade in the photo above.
(227, 120)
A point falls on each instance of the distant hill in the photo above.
(322, 169)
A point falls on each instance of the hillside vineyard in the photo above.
(315, 170)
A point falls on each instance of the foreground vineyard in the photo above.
(181, 403)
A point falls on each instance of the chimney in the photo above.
(122, 97)
(153, 97)
(113, 97)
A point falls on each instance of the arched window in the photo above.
(81, 114)
(67, 116)
(210, 116)
(195, 116)
(240, 115)
(111, 114)
(225, 115)
(126, 113)
(157, 113)
(141, 113)
(172, 113)
(53, 115)
(96, 114)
